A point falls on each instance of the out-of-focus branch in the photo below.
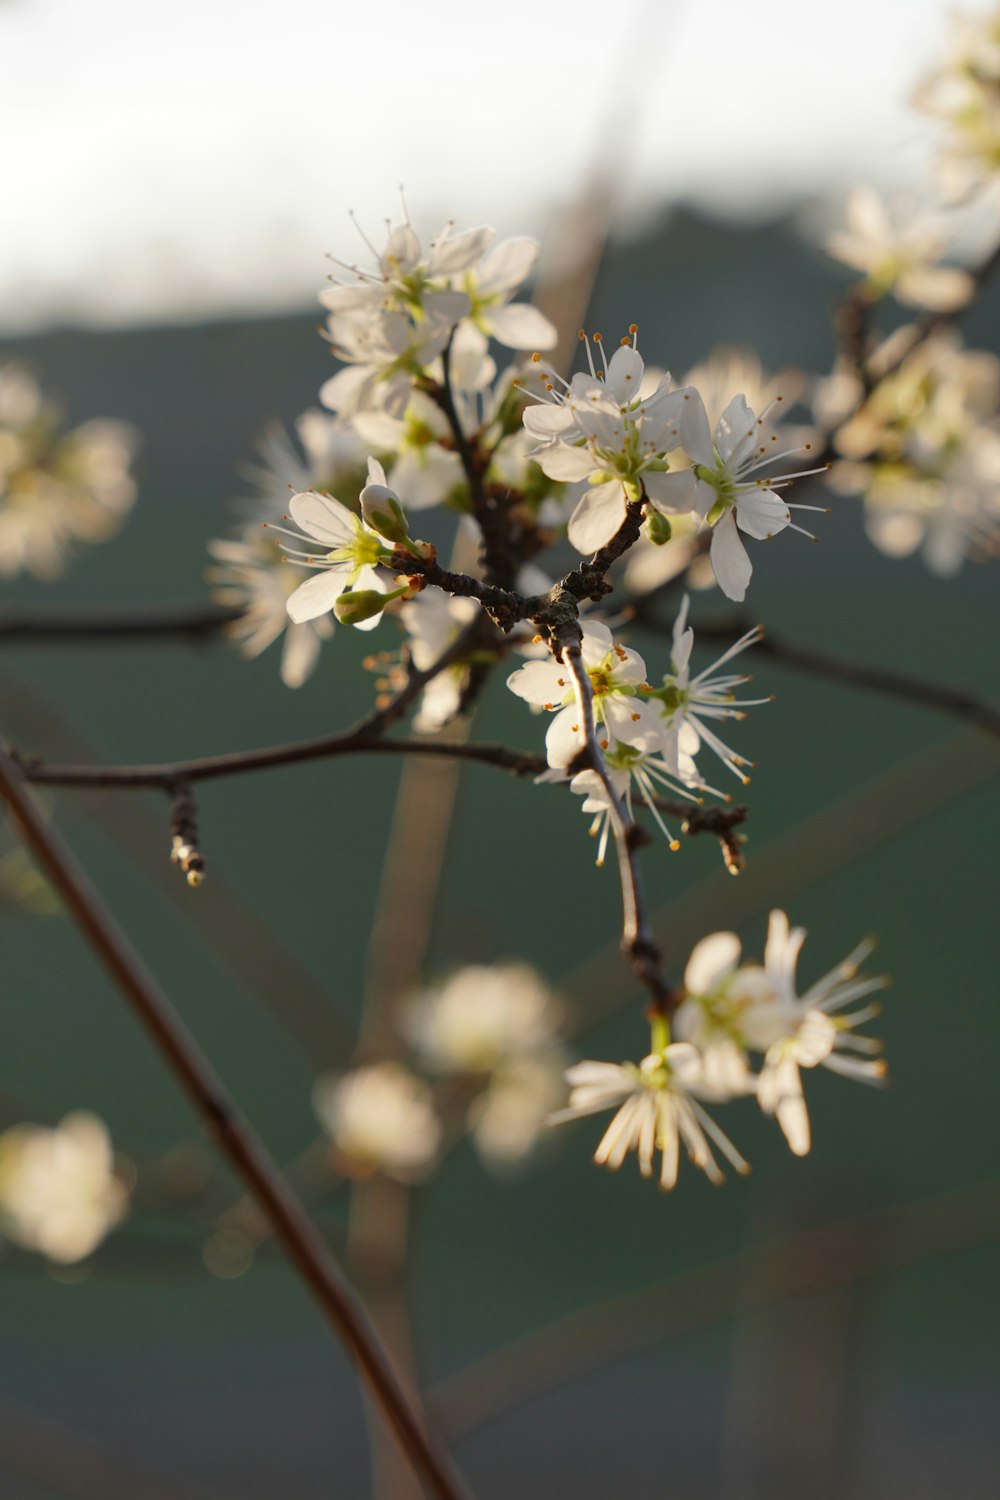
(73, 1464)
(808, 1262)
(246, 1153)
(957, 702)
(125, 624)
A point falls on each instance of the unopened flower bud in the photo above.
(384, 514)
(363, 604)
(658, 528)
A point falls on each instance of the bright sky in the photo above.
(173, 157)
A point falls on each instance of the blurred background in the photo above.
(824, 1329)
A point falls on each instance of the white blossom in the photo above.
(924, 451)
(964, 93)
(381, 1118)
(433, 620)
(658, 1110)
(898, 253)
(253, 574)
(59, 1193)
(498, 1024)
(353, 561)
(481, 1015)
(732, 1009)
(598, 429)
(729, 486)
(616, 674)
(687, 702)
(56, 488)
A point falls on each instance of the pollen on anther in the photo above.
(636, 718)
(675, 844)
(605, 744)
(560, 682)
(633, 328)
(549, 706)
(536, 640)
(536, 359)
(575, 728)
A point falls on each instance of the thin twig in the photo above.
(643, 956)
(352, 742)
(292, 1226)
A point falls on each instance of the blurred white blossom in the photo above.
(899, 254)
(963, 92)
(381, 1118)
(59, 1193)
(56, 488)
(253, 574)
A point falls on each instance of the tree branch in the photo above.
(353, 742)
(121, 622)
(957, 702)
(292, 1226)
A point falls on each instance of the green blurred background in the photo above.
(826, 1328)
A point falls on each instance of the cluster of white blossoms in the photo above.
(731, 1012)
(487, 1040)
(60, 1193)
(56, 488)
(963, 93)
(923, 449)
(917, 421)
(420, 401)
(600, 431)
(650, 734)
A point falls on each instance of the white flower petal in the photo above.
(319, 594)
(507, 265)
(730, 563)
(711, 960)
(520, 326)
(323, 518)
(597, 517)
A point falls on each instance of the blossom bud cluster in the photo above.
(915, 419)
(963, 93)
(56, 488)
(487, 1042)
(923, 449)
(420, 418)
(732, 1011)
(650, 734)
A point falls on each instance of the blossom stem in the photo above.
(292, 1226)
(499, 563)
(643, 956)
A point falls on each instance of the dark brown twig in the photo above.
(292, 1226)
(352, 742)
